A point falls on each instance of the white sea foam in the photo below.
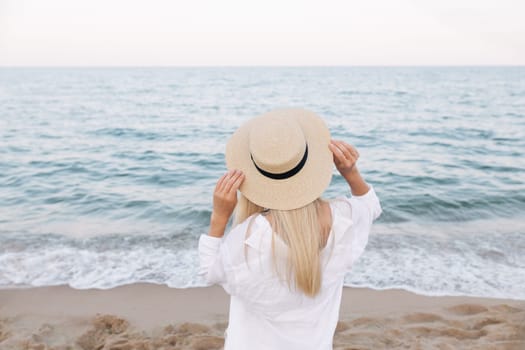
(424, 264)
(90, 269)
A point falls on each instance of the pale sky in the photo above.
(269, 32)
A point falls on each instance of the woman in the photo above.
(285, 259)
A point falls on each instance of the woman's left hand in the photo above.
(224, 200)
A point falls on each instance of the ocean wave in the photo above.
(449, 264)
(131, 133)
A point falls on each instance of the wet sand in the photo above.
(148, 316)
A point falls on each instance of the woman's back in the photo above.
(265, 313)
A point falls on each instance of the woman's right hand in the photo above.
(345, 157)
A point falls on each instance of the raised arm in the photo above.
(224, 201)
(213, 264)
(364, 205)
(345, 159)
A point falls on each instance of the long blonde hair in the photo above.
(303, 232)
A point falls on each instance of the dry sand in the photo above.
(147, 316)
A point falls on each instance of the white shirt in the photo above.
(264, 312)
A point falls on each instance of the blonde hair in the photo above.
(303, 232)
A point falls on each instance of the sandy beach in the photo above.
(148, 316)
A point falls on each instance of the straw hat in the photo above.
(285, 157)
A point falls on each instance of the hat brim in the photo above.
(296, 191)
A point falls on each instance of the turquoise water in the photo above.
(106, 174)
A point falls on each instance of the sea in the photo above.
(107, 174)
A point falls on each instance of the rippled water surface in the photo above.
(106, 174)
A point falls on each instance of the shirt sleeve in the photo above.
(213, 262)
(363, 210)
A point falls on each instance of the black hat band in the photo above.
(287, 174)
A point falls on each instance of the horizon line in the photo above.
(270, 66)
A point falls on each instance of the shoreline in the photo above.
(159, 317)
(407, 290)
